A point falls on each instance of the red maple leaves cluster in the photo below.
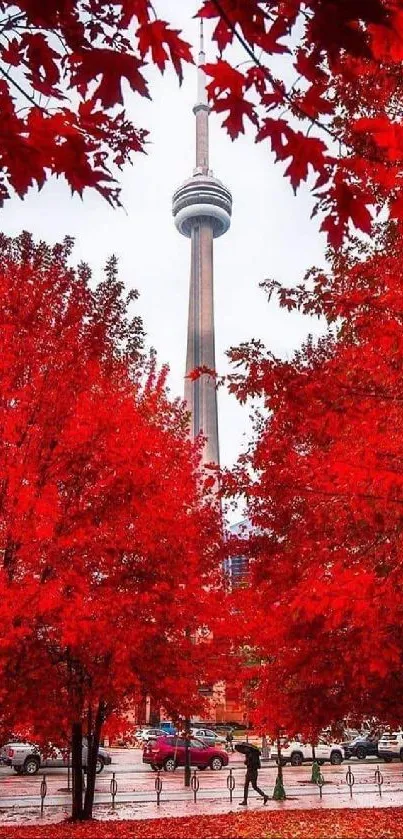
(321, 84)
(339, 118)
(62, 67)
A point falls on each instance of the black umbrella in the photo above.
(244, 748)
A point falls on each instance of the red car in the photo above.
(169, 752)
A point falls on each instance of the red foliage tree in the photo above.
(109, 553)
(339, 118)
(325, 499)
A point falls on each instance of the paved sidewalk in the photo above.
(336, 799)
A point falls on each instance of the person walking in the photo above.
(229, 741)
(252, 763)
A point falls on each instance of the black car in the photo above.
(361, 747)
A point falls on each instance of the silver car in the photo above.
(146, 734)
(210, 738)
(26, 759)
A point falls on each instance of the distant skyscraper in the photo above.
(202, 211)
(237, 567)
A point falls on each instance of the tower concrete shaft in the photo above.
(201, 394)
(202, 209)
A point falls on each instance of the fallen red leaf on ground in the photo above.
(325, 824)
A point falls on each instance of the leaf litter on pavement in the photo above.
(329, 824)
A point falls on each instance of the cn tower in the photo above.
(202, 211)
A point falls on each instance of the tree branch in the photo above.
(21, 90)
(276, 85)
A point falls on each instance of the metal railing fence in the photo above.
(227, 786)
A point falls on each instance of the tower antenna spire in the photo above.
(201, 50)
(201, 76)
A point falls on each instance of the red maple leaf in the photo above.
(201, 371)
(313, 101)
(112, 67)
(269, 40)
(224, 78)
(155, 37)
(42, 64)
(223, 34)
(12, 53)
(304, 151)
(345, 202)
(238, 108)
(141, 9)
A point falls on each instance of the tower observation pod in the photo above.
(202, 209)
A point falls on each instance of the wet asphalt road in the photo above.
(136, 781)
(136, 795)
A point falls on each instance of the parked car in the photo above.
(361, 747)
(210, 738)
(390, 746)
(27, 759)
(169, 752)
(223, 728)
(297, 753)
(7, 751)
(145, 734)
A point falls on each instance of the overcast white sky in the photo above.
(271, 233)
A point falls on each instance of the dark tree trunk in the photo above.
(93, 746)
(279, 791)
(77, 771)
(187, 752)
(280, 760)
(315, 775)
